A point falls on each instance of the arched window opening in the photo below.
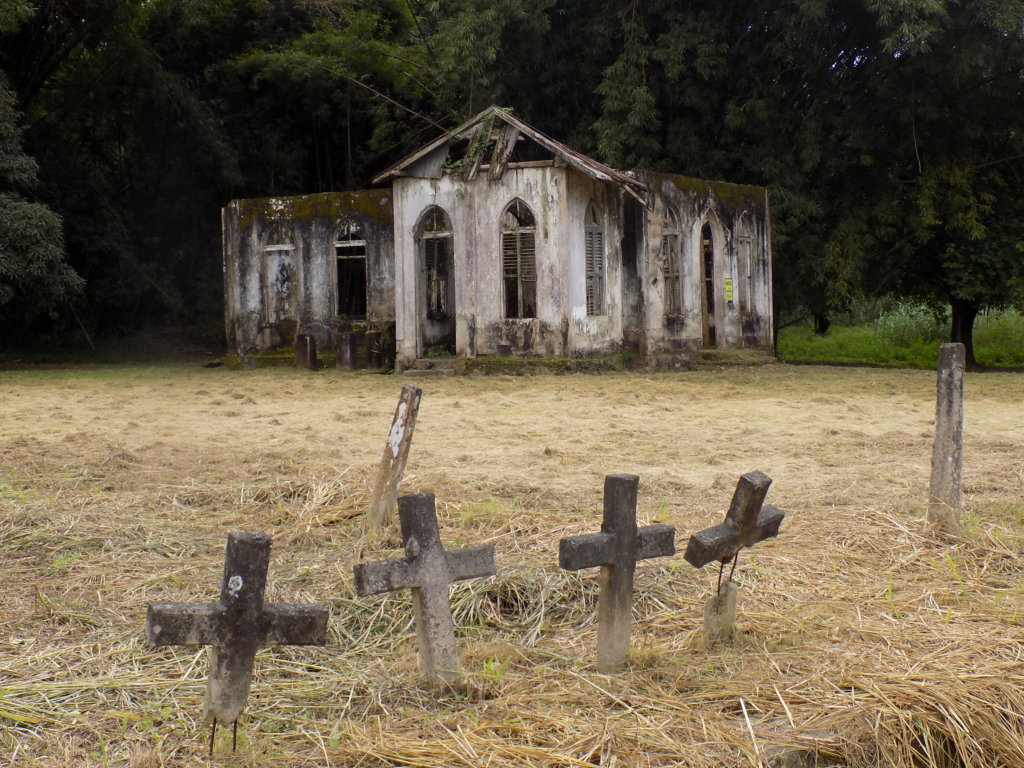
(350, 256)
(594, 261)
(670, 259)
(519, 260)
(435, 243)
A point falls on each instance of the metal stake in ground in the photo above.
(945, 502)
(235, 627)
(616, 550)
(429, 571)
(748, 521)
(392, 465)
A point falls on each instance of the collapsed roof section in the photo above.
(488, 143)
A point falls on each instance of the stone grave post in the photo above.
(616, 550)
(429, 571)
(748, 521)
(345, 350)
(945, 502)
(374, 350)
(305, 352)
(235, 627)
(396, 452)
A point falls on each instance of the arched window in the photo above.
(519, 260)
(279, 272)
(435, 244)
(670, 263)
(350, 255)
(594, 261)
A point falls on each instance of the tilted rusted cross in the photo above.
(748, 521)
(429, 571)
(235, 627)
(616, 550)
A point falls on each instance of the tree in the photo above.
(887, 132)
(34, 276)
(949, 215)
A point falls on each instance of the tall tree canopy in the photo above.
(34, 276)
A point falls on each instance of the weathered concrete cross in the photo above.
(236, 626)
(429, 571)
(748, 521)
(616, 550)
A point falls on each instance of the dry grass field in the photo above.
(862, 640)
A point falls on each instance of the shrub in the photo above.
(908, 324)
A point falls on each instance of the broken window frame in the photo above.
(594, 262)
(745, 272)
(670, 258)
(709, 299)
(436, 251)
(519, 261)
(349, 248)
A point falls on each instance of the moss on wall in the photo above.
(375, 204)
(729, 200)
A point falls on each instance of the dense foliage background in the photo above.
(889, 132)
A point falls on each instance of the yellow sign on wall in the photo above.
(728, 289)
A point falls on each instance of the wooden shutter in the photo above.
(527, 256)
(509, 255)
(594, 265)
(527, 274)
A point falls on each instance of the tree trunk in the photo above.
(962, 330)
(821, 323)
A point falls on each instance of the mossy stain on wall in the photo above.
(375, 204)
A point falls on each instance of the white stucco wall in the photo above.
(475, 209)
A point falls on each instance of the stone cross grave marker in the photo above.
(235, 627)
(429, 570)
(748, 521)
(616, 550)
(396, 452)
(305, 352)
(945, 501)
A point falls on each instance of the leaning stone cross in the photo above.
(748, 521)
(429, 571)
(235, 626)
(616, 550)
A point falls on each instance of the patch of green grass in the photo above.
(999, 339)
(906, 336)
(860, 344)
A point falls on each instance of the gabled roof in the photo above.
(428, 161)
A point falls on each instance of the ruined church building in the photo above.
(495, 239)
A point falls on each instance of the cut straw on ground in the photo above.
(862, 640)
